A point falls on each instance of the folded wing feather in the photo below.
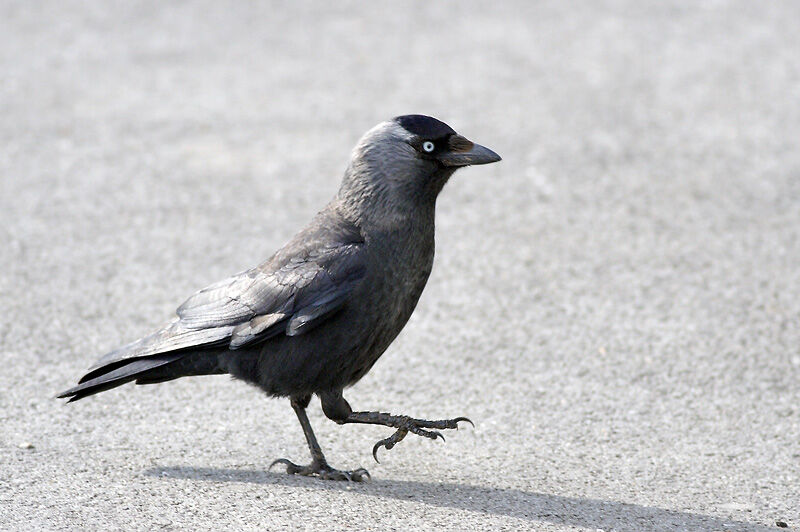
(256, 304)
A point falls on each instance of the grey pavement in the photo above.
(615, 304)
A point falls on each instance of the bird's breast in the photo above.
(400, 277)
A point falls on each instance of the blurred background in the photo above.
(615, 304)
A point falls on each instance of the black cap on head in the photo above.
(425, 127)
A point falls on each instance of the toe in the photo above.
(432, 434)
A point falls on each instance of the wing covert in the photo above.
(291, 299)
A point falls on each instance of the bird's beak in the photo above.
(464, 152)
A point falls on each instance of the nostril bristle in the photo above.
(458, 143)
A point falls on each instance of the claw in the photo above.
(468, 420)
(438, 435)
(289, 465)
(358, 475)
(386, 443)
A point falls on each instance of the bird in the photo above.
(315, 317)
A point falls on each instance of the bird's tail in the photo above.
(144, 370)
(171, 352)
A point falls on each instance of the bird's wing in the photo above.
(292, 299)
(172, 337)
(254, 305)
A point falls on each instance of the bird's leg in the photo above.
(337, 409)
(319, 466)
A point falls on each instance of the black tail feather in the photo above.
(117, 375)
(145, 370)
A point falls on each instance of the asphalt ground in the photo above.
(615, 304)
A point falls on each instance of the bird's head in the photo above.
(405, 162)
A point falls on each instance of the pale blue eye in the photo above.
(428, 146)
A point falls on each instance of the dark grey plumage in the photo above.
(317, 315)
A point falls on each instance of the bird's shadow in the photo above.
(519, 504)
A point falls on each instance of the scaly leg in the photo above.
(319, 466)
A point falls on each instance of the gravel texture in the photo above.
(615, 304)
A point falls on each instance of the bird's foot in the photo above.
(405, 424)
(322, 470)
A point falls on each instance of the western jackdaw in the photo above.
(317, 315)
